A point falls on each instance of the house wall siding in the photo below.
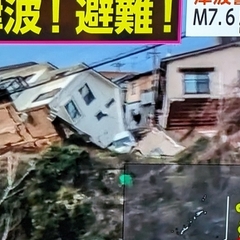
(135, 102)
(101, 131)
(141, 84)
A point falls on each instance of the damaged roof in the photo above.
(17, 66)
(30, 131)
(115, 74)
(51, 83)
(56, 74)
(25, 72)
(135, 76)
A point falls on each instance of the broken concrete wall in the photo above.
(136, 115)
(158, 143)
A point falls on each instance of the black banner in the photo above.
(90, 20)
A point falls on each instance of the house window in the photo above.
(47, 95)
(13, 86)
(133, 88)
(87, 94)
(72, 110)
(196, 83)
(100, 115)
(110, 103)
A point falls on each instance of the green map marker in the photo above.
(126, 180)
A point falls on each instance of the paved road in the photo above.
(163, 199)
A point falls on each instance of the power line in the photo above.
(120, 54)
(134, 62)
(92, 67)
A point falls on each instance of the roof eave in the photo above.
(199, 51)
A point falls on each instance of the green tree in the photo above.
(47, 200)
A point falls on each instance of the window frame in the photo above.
(76, 107)
(110, 103)
(102, 115)
(89, 93)
(197, 82)
(55, 91)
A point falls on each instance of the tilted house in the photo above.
(92, 106)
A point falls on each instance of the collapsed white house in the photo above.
(83, 99)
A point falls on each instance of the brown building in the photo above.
(30, 131)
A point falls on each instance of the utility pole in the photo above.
(155, 58)
(118, 65)
(156, 63)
